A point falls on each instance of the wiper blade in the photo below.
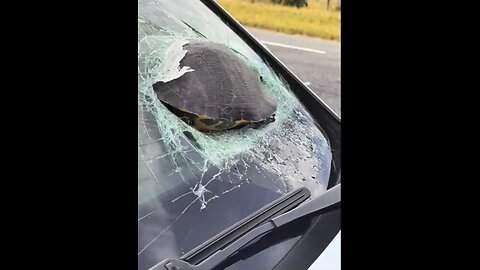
(263, 215)
(279, 213)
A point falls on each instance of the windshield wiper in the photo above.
(279, 213)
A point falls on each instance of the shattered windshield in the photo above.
(191, 184)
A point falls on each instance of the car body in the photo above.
(192, 189)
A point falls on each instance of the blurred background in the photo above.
(303, 34)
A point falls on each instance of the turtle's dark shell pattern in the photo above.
(221, 93)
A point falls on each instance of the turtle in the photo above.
(221, 93)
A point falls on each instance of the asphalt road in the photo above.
(315, 61)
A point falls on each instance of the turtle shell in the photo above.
(222, 87)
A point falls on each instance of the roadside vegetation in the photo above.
(313, 20)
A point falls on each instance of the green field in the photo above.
(314, 20)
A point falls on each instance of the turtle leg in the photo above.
(216, 125)
(225, 125)
(263, 123)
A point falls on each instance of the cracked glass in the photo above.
(193, 185)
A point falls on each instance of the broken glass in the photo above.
(192, 185)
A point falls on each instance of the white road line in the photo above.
(292, 47)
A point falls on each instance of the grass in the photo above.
(314, 20)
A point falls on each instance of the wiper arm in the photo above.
(263, 215)
(279, 213)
